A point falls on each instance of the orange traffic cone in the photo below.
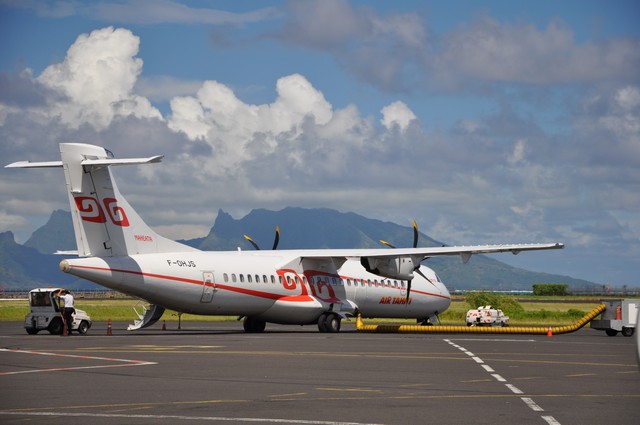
(549, 332)
(109, 327)
(164, 325)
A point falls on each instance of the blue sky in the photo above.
(486, 121)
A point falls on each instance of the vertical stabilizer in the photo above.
(105, 224)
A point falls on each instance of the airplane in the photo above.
(118, 250)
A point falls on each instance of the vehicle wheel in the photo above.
(469, 323)
(252, 325)
(32, 331)
(83, 328)
(611, 332)
(332, 323)
(56, 326)
(627, 331)
(505, 325)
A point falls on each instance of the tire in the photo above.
(32, 331)
(252, 325)
(627, 331)
(322, 326)
(332, 323)
(56, 326)
(83, 327)
(611, 332)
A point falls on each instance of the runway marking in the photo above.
(488, 368)
(126, 362)
(498, 377)
(477, 359)
(550, 420)
(287, 395)
(528, 401)
(186, 418)
(532, 404)
(514, 389)
(364, 390)
(580, 374)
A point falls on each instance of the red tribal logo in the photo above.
(90, 210)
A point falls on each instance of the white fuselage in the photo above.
(262, 284)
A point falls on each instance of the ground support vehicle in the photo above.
(46, 314)
(620, 316)
(486, 316)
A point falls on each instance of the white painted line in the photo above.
(184, 418)
(514, 389)
(126, 362)
(468, 353)
(532, 404)
(477, 360)
(550, 420)
(494, 340)
(488, 368)
(498, 377)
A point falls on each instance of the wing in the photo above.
(400, 263)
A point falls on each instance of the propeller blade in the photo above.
(415, 234)
(277, 239)
(408, 292)
(255, 245)
(386, 243)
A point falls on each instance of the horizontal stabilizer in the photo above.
(29, 164)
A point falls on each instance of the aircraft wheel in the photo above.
(56, 326)
(252, 325)
(321, 325)
(84, 327)
(627, 331)
(331, 322)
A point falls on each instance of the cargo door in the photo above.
(208, 287)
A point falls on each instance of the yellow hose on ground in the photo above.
(532, 330)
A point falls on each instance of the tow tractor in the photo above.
(620, 316)
(486, 316)
(45, 314)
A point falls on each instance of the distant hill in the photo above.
(55, 235)
(22, 267)
(300, 228)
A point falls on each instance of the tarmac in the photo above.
(213, 373)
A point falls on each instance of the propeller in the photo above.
(276, 240)
(417, 268)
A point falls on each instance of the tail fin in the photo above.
(105, 224)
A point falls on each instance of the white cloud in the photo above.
(96, 78)
(397, 113)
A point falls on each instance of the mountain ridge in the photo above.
(301, 228)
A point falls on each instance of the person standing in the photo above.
(68, 310)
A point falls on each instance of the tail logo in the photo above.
(90, 210)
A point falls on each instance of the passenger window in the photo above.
(264, 278)
(233, 277)
(241, 278)
(257, 279)
(280, 279)
(348, 282)
(226, 277)
(273, 279)
(249, 278)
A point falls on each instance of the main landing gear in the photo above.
(253, 325)
(329, 322)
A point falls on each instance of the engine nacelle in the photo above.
(394, 268)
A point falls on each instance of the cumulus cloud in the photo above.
(97, 77)
(401, 51)
(397, 114)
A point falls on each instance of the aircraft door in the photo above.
(208, 287)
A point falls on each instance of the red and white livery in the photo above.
(118, 250)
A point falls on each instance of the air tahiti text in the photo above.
(394, 300)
